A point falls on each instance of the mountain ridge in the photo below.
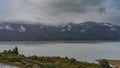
(70, 31)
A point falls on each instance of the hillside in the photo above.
(70, 31)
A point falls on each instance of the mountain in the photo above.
(70, 31)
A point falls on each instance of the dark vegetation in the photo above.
(14, 58)
(104, 64)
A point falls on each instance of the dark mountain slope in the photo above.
(71, 31)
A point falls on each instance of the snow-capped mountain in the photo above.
(70, 31)
(11, 27)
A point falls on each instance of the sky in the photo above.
(60, 11)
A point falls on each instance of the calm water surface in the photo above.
(83, 51)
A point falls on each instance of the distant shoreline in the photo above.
(69, 41)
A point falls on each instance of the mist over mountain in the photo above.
(70, 31)
(59, 20)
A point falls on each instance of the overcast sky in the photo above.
(60, 11)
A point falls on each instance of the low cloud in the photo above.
(61, 11)
(78, 6)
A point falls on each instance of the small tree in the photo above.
(15, 50)
(5, 52)
(72, 60)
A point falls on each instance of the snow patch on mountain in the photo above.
(113, 29)
(63, 30)
(1, 27)
(107, 24)
(8, 27)
(21, 29)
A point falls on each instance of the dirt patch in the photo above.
(115, 63)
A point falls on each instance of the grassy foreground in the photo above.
(12, 57)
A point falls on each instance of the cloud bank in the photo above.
(60, 11)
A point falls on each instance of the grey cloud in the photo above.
(79, 6)
(102, 10)
(60, 11)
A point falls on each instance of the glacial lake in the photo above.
(82, 51)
